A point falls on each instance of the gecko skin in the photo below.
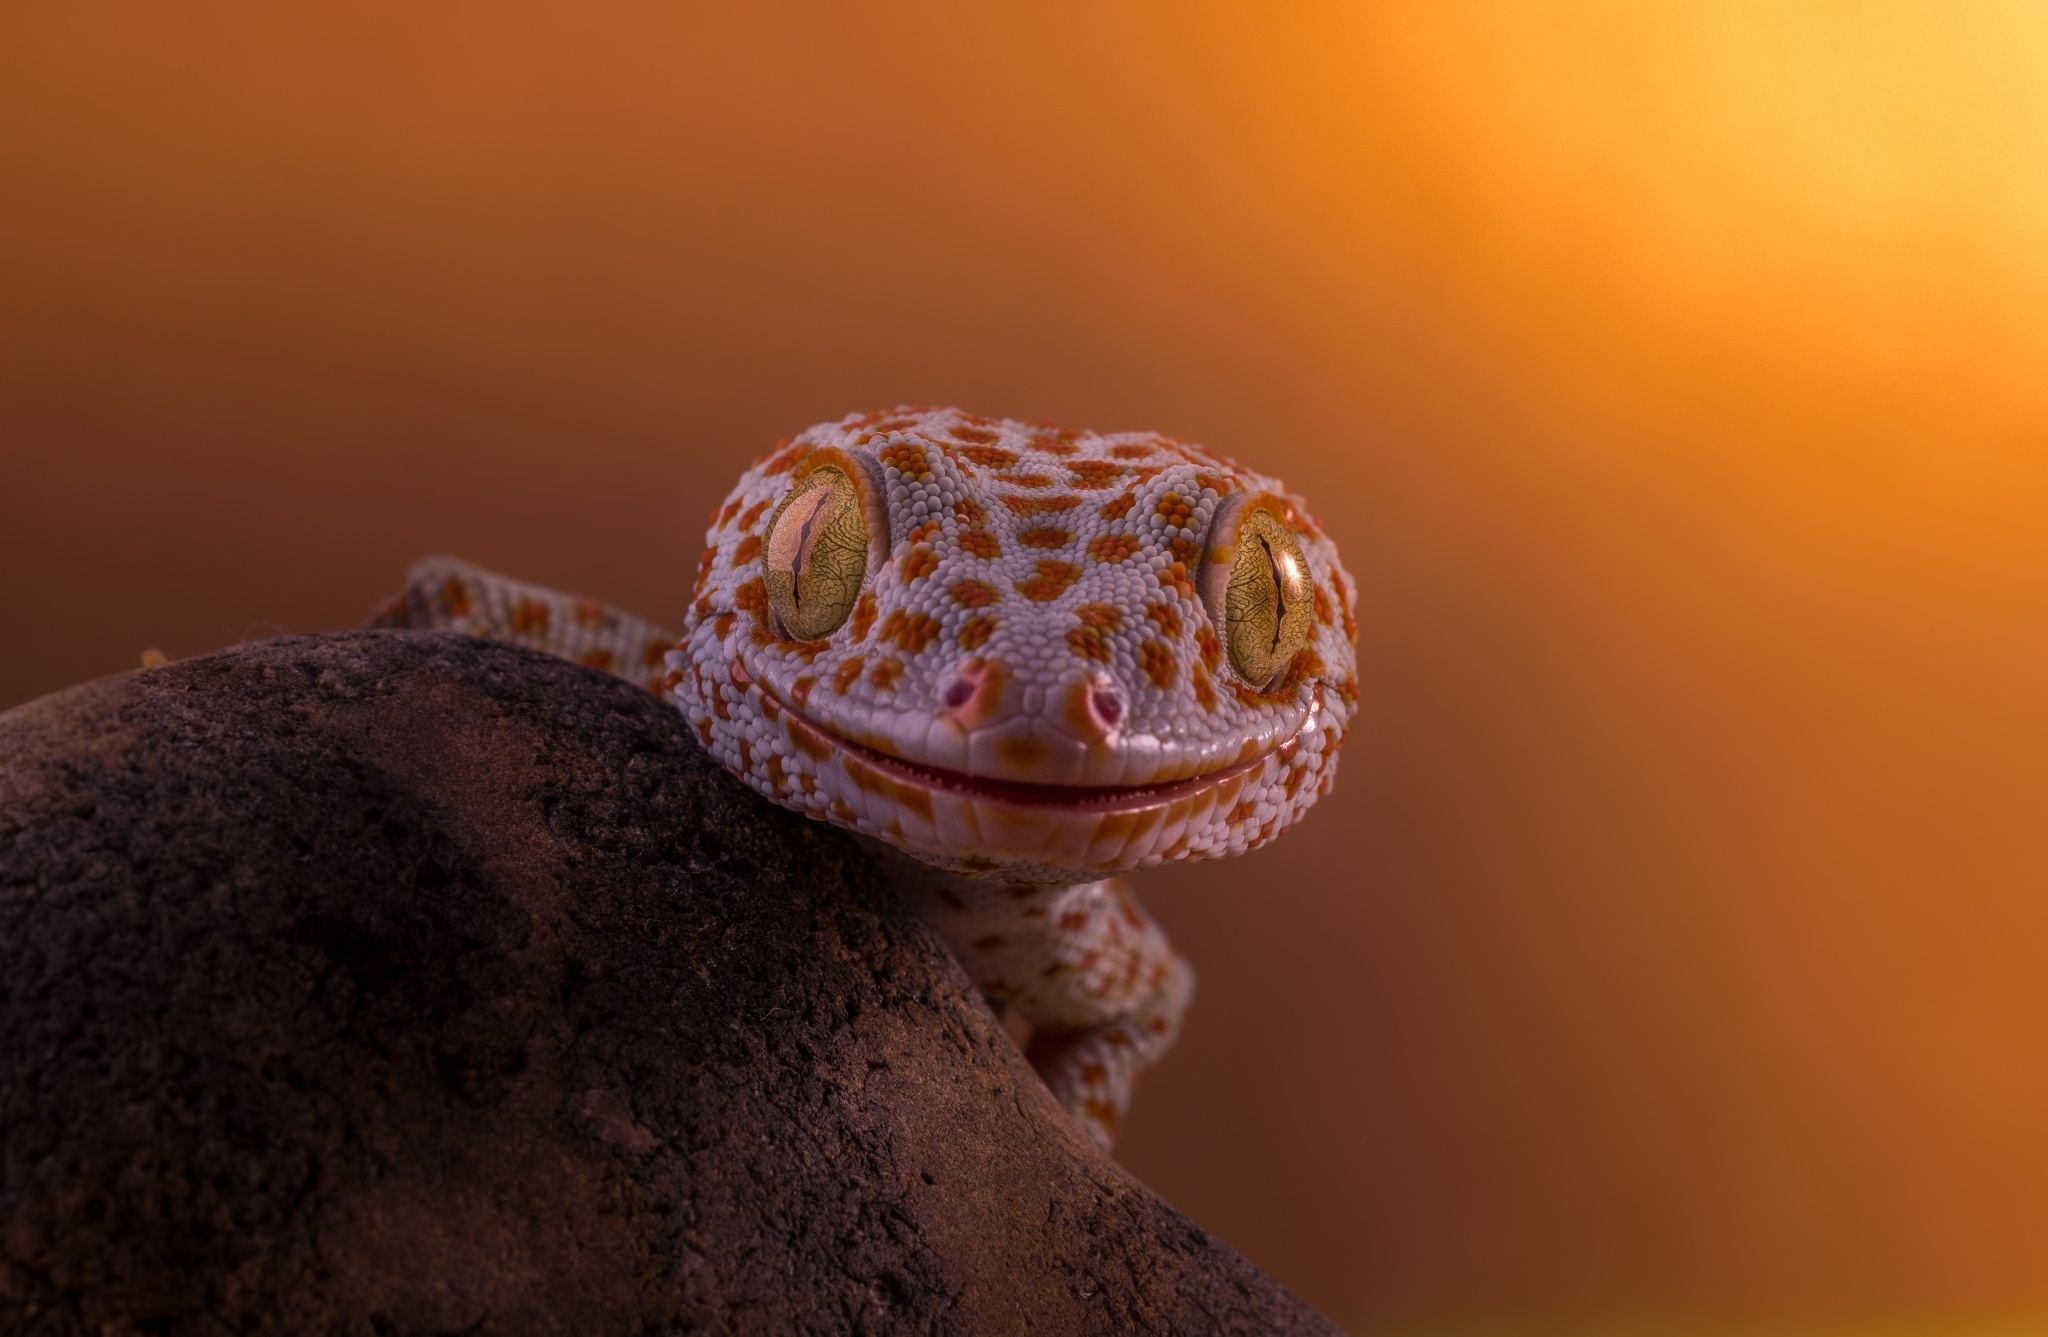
(1017, 661)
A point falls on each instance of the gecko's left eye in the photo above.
(817, 555)
(1268, 609)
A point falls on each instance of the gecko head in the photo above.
(1019, 649)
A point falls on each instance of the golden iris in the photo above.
(1268, 611)
(817, 555)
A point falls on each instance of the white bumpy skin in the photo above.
(1019, 661)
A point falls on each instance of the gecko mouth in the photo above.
(1099, 799)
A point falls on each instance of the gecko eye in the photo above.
(817, 555)
(1268, 609)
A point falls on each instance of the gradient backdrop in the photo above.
(1674, 379)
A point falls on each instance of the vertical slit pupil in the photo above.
(1279, 591)
(803, 547)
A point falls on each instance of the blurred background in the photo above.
(1674, 379)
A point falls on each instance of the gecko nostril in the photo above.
(1108, 708)
(958, 694)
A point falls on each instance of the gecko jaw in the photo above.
(1092, 799)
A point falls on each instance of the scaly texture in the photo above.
(1037, 681)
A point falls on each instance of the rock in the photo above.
(394, 982)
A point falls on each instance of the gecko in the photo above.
(1016, 662)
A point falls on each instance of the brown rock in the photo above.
(392, 982)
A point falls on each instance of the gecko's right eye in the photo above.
(1268, 604)
(817, 555)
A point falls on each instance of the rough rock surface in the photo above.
(391, 982)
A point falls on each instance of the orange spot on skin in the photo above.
(980, 543)
(1119, 507)
(455, 597)
(704, 561)
(529, 617)
(989, 457)
(1174, 510)
(1205, 695)
(1211, 649)
(1027, 507)
(975, 594)
(885, 673)
(803, 738)
(918, 563)
(654, 653)
(968, 511)
(753, 513)
(1113, 548)
(1157, 661)
(1053, 579)
(587, 613)
(911, 631)
(1094, 473)
(1183, 548)
(722, 627)
(1242, 812)
(1133, 451)
(1025, 752)
(1024, 480)
(778, 780)
(704, 732)
(907, 458)
(598, 659)
(1045, 536)
(1088, 643)
(910, 797)
(1175, 577)
(720, 515)
(863, 614)
(974, 436)
(1166, 617)
(924, 533)
(784, 460)
(975, 632)
(1054, 440)
(746, 550)
(1344, 606)
(1322, 601)
(752, 597)
(800, 690)
(842, 812)
(842, 679)
(1101, 617)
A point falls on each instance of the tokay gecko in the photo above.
(1015, 661)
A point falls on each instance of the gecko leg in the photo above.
(443, 594)
(1091, 973)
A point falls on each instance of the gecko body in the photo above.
(1015, 660)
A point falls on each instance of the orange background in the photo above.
(1673, 378)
